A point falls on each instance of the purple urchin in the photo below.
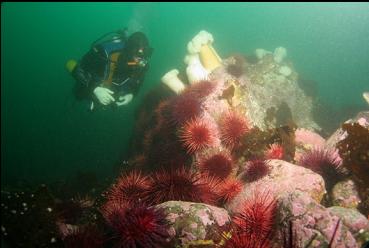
(325, 162)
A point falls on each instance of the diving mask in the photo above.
(142, 57)
(140, 62)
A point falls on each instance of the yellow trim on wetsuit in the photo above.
(112, 66)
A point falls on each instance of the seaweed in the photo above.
(228, 94)
(354, 150)
(256, 141)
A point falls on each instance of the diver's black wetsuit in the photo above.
(91, 71)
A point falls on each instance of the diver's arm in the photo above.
(84, 77)
(89, 72)
(91, 88)
(130, 92)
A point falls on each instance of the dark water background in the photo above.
(46, 135)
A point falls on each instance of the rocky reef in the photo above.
(270, 95)
(230, 157)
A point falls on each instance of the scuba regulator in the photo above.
(142, 57)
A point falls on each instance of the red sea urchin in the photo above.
(137, 225)
(179, 184)
(209, 186)
(275, 151)
(198, 134)
(256, 169)
(165, 150)
(163, 114)
(228, 190)
(184, 108)
(325, 162)
(129, 187)
(257, 216)
(219, 165)
(201, 89)
(233, 126)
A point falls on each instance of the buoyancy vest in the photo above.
(111, 51)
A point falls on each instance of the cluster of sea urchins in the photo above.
(192, 152)
(136, 224)
(180, 129)
(186, 127)
(131, 211)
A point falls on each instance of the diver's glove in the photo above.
(104, 95)
(124, 100)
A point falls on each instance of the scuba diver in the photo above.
(113, 70)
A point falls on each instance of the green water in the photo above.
(46, 135)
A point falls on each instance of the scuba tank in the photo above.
(115, 36)
(109, 43)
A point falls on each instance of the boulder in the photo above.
(311, 222)
(345, 194)
(357, 223)
(194, 223)
(284, 177)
